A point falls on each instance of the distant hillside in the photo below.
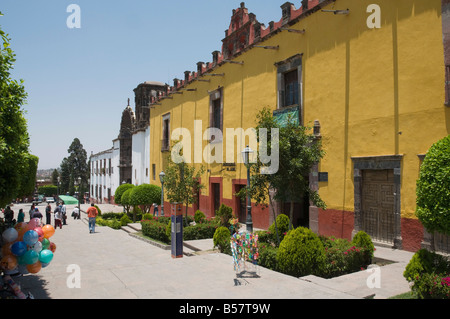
(44, 173)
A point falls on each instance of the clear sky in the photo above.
(78, 80)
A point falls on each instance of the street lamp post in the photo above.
(57, 189)
(79, 199)
(246, 153)
(161, 178)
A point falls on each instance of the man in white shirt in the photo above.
(63, 213)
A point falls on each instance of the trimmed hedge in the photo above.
(155, 229)
(301, 253)
(159, 228)
(336, 256)
(221, 240)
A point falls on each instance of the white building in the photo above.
(104, 178)
(128, 161)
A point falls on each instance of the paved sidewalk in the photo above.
(114, 265)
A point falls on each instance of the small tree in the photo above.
(144, 196)
(119, 192)
(126, 200)
(14, 137)
(298, 151)
(433, 188)
(48, 190)
(182, 181)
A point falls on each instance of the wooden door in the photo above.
(378, 218)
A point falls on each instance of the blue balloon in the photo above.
(30, 257)
(45, 256)
(19, 248)
(30, 237)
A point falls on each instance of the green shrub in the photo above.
(199, 231)
(100, 221)
(112, 223)
(433, 196)
(125, 220)
(425, 262)
(156, 230)
(98, 210)
(221, 240)
(267, 255)
(431, 286)
(199, 217)
(111, 215)
(147, 216)
(283, 228)
(363, 241)
(301, 253)
(225, 213)
(264, 236)
(342, 257)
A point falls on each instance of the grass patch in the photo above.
(405, 295)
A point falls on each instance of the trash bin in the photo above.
(176, 230)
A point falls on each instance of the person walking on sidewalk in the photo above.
(48, 211)
(63, 213)
(92, 213)
(57, 217)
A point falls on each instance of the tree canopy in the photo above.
(144, 196)
(433, 188)
(182, 181)
(298, 152)
(73, 167)
(15, 160)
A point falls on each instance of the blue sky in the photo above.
(78, 80)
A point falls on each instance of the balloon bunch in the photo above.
(27, 247)
(244, 247)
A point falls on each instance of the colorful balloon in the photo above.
(6, 249)
(48, 230)
(45, 243)
(22, 232)
(40, 233)
(19, 248)
(10, 235)
(33, 223)
(30, 257)
(52, 247)
(8, 262)
(45, 256)
(34, 268)
(30, 237)
(37, 247)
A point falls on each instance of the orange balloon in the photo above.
(20, 225)
(48, 231)
(21, 232)
(34, 268)
(8, 262)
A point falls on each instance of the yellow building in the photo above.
(370, 75)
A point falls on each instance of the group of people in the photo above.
(60, 216)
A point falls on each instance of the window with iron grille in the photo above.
(165, 142)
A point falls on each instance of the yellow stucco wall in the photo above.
(374, 91)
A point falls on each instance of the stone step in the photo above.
(128, 229)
